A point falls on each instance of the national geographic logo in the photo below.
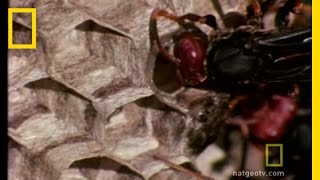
(33, 44)
(280, 162)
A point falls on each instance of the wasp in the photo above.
(247, 61)
(242, 57)
(246, 54)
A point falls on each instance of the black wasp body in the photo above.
(247, 58)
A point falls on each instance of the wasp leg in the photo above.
(242, 124)
(254, 13)
(297, 7)
(235, 101)
(296, 91)
(293, 56)
(209, 20)
(282, 17)
(267, 5)
(256, 8)
(154, 36)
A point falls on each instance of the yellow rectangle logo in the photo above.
(280, 164)
(33, 44)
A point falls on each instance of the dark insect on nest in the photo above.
(246, 55)
(245, 61)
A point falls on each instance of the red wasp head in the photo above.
(190, 45)
(191, 50)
